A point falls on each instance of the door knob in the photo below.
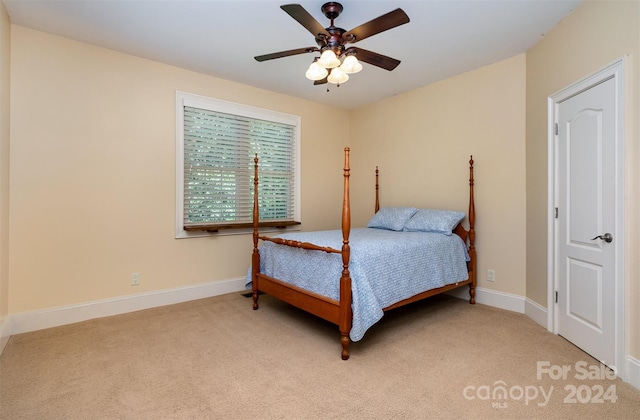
(607, 237)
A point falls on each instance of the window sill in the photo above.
(200, 230)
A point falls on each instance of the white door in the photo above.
(586, 220)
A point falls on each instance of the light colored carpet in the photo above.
(218, 359)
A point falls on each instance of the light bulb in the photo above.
(328, 59)
(351, 65)
(337, 76)
(316, 72)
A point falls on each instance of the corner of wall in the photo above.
(5, 89)
(5, 333)
(633, 372)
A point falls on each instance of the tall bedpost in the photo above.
(377, 192)
(255, 256)
(345, 312)
(472, 236)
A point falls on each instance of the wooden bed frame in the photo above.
(340, 312)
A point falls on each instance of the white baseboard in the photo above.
(54, 317)
(536, 312)
(633, 371)
(5, 333)
(493, 298)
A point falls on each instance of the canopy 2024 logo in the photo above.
(500, 394)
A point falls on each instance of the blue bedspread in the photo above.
(386, 267)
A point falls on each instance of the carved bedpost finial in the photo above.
(472, 209)
(472, 235)
(377, 193)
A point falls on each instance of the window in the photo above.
(217, 142)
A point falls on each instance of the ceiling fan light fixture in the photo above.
(328, 59)
(351, 65)
(337, 76)
(337, 60)
(316, 71)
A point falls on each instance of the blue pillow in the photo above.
(391, 218)
(431, 220)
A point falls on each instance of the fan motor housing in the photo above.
(335, 41)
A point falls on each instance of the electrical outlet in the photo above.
(491, 275)
(135, 279)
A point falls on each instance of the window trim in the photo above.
(188, 99)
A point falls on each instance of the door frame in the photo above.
(614, 71)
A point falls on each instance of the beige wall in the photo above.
(85, 215)
(593, 36)
(93, 174)
(5, 69)
(422, 140)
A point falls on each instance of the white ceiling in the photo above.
(220, 38)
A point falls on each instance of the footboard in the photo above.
(337, 312)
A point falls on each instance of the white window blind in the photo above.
(218, 166)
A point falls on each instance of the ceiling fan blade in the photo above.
(380, 24)
(375, 59)
(285, 53)
(303, 17)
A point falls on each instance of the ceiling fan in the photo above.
(332, 43)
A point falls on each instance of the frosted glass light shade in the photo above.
(316, 72)
(351, 65)
(328, 59)
(337, 76)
